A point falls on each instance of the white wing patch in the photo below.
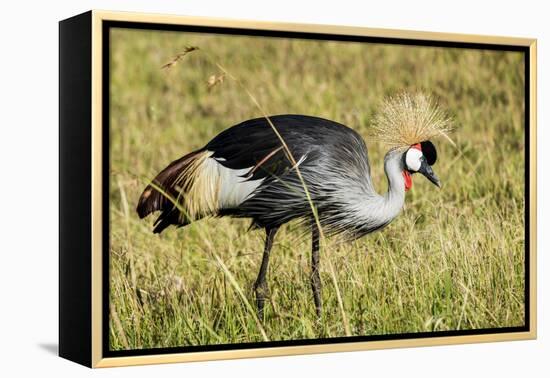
(235, 189)
(232, 188)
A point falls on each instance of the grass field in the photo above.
(454, 258)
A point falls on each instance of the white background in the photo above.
(29, 174)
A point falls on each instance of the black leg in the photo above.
(260, 287)
(315, 277)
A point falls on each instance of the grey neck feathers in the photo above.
(379, 210)
(361, 209)
(393, 166)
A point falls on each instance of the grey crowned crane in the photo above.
(246, 172)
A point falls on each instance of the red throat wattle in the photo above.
(408, 180)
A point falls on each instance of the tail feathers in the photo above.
(168, 186)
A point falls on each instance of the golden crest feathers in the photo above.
(406, 119)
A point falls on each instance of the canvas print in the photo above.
(276, 189)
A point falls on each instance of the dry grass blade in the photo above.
(345, 321)
(118, 326)
(214, 80)
(239, 291)
(179, 56)
(408, 119)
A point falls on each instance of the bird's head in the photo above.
(419, 158)
(408, 122)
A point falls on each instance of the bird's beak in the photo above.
(427, 171)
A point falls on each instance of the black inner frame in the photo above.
(107, 25)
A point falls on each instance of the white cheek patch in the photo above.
(412, 159)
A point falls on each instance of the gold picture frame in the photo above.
(82, 191)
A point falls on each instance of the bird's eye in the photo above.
(412, 159)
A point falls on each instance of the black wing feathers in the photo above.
(251, 142)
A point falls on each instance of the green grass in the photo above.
(454, 259)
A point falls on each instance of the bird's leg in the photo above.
(315, 277)
(260, 287)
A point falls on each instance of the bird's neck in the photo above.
(389, 204)
(395, 196)
(378, 210)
